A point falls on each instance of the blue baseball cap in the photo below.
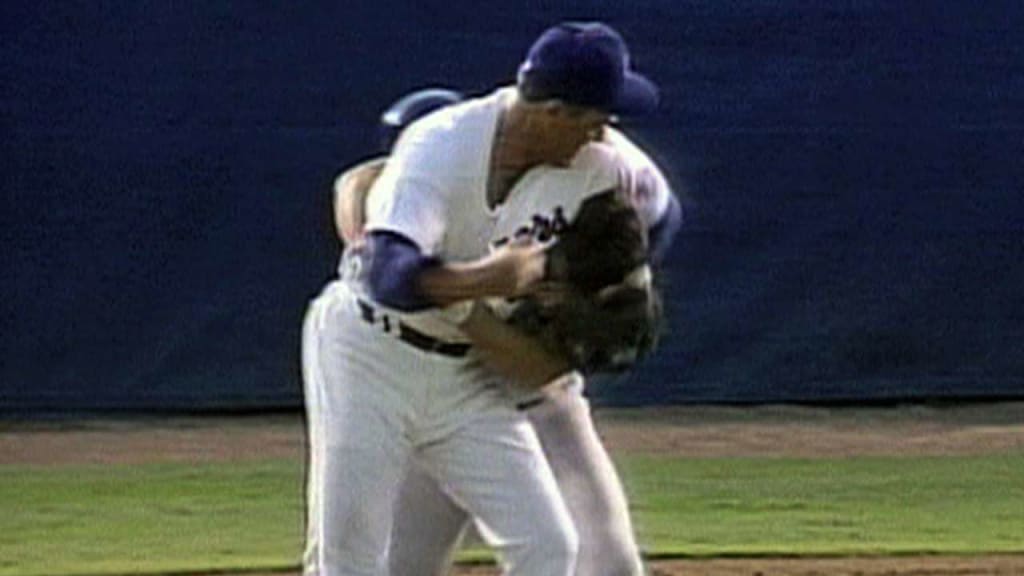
(585, 64)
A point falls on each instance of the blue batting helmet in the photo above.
(411, 107)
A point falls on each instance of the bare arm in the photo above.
(512, 270)
(509, 352)
(396, 264)
(350, 190)
(508, 271)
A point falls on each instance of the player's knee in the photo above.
(558, 544)
(609, 553)
(563, 544)
(618, 565)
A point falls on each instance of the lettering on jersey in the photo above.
(541, 228)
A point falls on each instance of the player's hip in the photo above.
(357, 347)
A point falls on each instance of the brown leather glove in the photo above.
(610, 315)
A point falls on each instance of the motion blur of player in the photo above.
(404, 360)
(429, 524)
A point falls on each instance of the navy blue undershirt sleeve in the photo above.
(660, 236)
(395, 263)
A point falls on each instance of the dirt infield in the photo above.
(686, 431)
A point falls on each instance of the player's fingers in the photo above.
(535, 263)
(524, 241)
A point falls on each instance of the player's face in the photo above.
(568, 128)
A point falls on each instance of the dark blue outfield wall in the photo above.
(852, 170)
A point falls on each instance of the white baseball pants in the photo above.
(376, 404)
(429, 524)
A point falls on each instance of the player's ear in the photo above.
(553, 108)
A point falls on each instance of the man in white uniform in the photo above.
(428, 523)
(386, 372)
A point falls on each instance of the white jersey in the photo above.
(433, 191)
(433, 187)
(643, 181)
(547, 194)
(547, 198)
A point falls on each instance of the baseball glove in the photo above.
(609, 315)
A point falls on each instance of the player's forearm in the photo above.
(400, 276)
(509, 352)
(455, 282)
(663, 232)
(509, 271)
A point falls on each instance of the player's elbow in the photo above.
(395, 265)
(663, 232)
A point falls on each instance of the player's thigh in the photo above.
(428, 526)
(589, 485)
(577, 457)
(358, 449)
(351, 504)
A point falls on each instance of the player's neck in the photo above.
(511, 154)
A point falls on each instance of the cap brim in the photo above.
(638, 96)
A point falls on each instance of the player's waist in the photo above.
(426, 331)
(402, 329)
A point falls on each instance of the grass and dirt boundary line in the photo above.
(720, 491)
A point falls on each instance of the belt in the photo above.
(410, 335)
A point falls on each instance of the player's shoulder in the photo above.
(454, 125)
(614, 150)
(640, 177)
(447, 140)
(633, 155)
(600, 162)
(596, 168)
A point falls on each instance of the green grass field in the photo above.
(174, 517)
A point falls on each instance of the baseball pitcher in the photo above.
(429, 523)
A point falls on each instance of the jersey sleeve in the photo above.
(650, 193)
(411, 207)
(410, 199)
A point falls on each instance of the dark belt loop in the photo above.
(366, 311)
(532, 402)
